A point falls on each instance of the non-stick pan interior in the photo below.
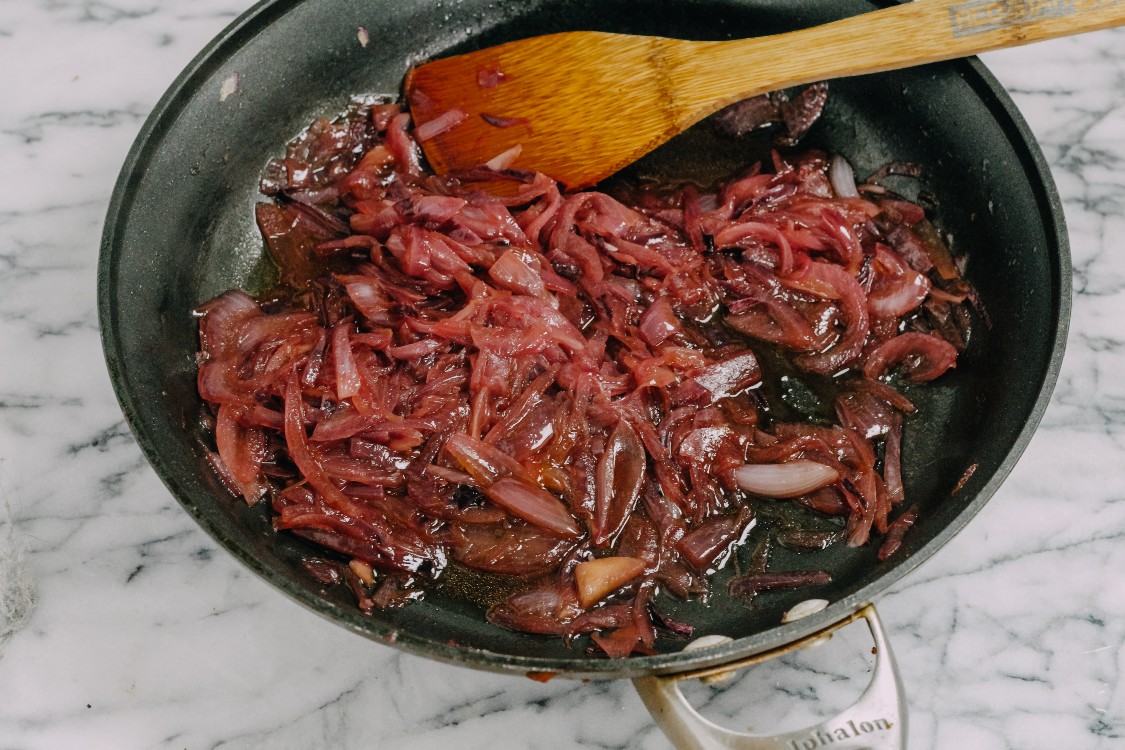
(181, 230)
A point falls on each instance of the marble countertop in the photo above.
(144, 634)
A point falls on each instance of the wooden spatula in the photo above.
(581, 105)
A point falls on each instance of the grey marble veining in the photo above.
(146, 635)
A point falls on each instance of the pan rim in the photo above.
(261, 15)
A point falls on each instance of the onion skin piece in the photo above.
(504, 159)
(892, 463)
(619, 643)
(748, 115)
(596, 578)
(790, 479)
(802, 111)
(291, 237)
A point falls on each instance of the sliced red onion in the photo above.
(921, 356)
(534, 505)
(618, 482)
(842, 177)
(402, 146)
(505, 159)
(896, 532)
(347, 374)
(485, 463)
(730, 377)
(443, 123)
(416, 350)
(659, 322)
(600, 576)
(710, 543)
(241, 451)
(507, 550)
(512, 273)
(545, 611)
(790, 479)
(898, 288)
(853, 304)
(752, 583)
(531, 381)
(499, 121)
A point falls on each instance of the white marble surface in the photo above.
(146, 635)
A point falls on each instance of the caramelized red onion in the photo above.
(566, 389)
(920, 356)
(534, 505)
(753, 583)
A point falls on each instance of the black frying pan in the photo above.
(180, 230)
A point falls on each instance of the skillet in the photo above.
(180, 229)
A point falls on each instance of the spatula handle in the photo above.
(915, 33)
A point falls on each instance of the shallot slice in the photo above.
(790, 479)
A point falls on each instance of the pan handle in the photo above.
(877, 720)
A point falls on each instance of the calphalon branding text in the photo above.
(830, 736)
(979, 16)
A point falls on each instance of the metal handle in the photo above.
(877, 720)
